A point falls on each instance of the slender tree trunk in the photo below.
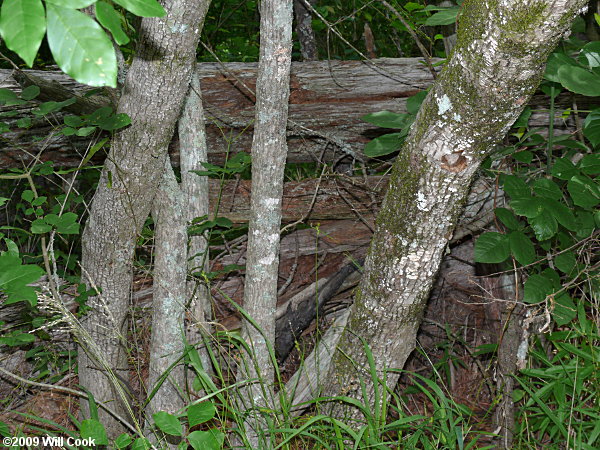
(304, 30)
(269, 152)
(155, 88)
(192, 141)
(169, 295)
(496, 66)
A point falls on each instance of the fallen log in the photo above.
(327, 101)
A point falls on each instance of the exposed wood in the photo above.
(326, 103)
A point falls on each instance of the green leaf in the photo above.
(591, 127)
(561, 213)
(93, 429)
(564, 310)
(384, 145)
(580, 81)
(524, 156)
(523, 119)
(115, 122)
(48, 107)
(38, 226)
(200, 413)
(140, 444)
(585, 224)
(564, 169)
(30, 92)
(93, 151)
(565, 262)
(515, 187)
(508, 218)
(444, 17)
(85, 131)
(80, 47)
(203, 440)
(544, 226)
(529, 207)
(110, 19)
(492, 248)
(23, 25)
(584, 191)
(123, 441)
(386, 119)
(72, 4)
(168, 423)
(521, 248)
(555, 62)
(413, 104)
(547, 188)
(590, 164)
(66, 224)
(143, 8)
(590, 54)
(24, 122)
(4, 430)
(536, 288)
(27, 196)
(73, 121)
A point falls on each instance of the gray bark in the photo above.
(495, 68)
(169, 296)
(269, 153)
(304, 30)
(154, 92)
(192, 140)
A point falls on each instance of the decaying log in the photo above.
(327, 101)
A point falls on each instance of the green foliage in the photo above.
(78, 44)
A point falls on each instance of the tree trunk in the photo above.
(154, 91)
(496, 66)
(269, 153)
(304, 30)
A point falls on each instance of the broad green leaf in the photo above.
(492, 248)
(93, 151)
(200, 413)
(80, 47)
(591, 127)
(85, 131)
(123, 441)
(523, 119)
(168, 423)
(555, 62)
(547, 188)
(140, 444)
(565, 262)
(30, 92)
(143, 8)
(27, 195)
(66, 223)
(580, 81)
(73, 121)
(413, 104)
(544, 226)
(585, 224)
(72, 4)
(590, 54)
(508, 218)
(524, 156)
(515, 187)
(564, 169)
(521, 248)
(584, 191)
(48, 107)
(38, 226)
(444, 17)
(110, 19)
(115, 122)
(7, 94)
(564, 310)
(386, 119)
(590, 164)
(203, 440)
(561, 213)
(384, 145)
(93, 429)
(536, 288)
(23, 25)
(529, 207)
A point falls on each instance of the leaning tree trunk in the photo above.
(269, 152)
(304, 30)
(154, 91)
(496, 66)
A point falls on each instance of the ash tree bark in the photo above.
(154, 91)
(496, 66)
(269, 151)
